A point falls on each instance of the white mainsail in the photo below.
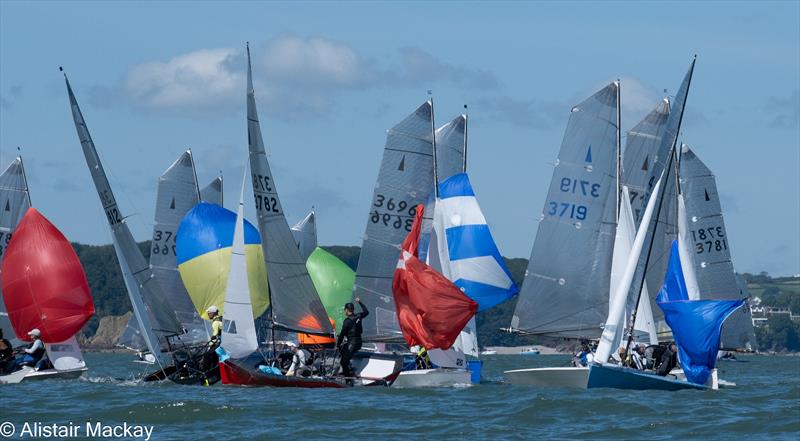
(305, 234)
(14, 202)
(239, 337)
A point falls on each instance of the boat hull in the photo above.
(440, 377)
(577, 377)
(618, 377)
(29, 374)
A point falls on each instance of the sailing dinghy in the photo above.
(44, 287)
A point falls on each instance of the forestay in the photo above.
(405, 180)
(149, 303)
(177, 194)
(305, 234)
(295, 303)
(565, 292)
(14, 202)
(710, 248)
(239, 330)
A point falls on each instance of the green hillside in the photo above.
(111, 298)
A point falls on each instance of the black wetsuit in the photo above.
(351, 330)
(6, 355)
(669, 360)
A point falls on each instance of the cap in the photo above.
(349, 306)
(212, 309)
(291, 344)
(35, 332)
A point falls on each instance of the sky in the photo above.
(154, 79)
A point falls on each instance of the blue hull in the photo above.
(618, 377)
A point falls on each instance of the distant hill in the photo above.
(111, 298)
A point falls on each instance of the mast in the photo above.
(464, 167)
(433, 140)
(672, 155)
(619, 149)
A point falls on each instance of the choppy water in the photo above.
(764, 405)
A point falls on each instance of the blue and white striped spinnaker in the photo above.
(466, 250)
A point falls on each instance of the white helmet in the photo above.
(212, 309)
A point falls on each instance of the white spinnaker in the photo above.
(616, 311)
(686, 253)
(239, 330)
(65, 355)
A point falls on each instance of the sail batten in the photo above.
(295, 302)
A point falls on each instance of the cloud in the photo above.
(523, 113)
(783, 112)
(294, 77)
(15, 92)
(201, 79)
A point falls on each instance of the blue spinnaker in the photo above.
(695, 324)
(467, 252)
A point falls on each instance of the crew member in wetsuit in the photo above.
(669, 359)
(6, 353)
(351, 330)
(216, 327)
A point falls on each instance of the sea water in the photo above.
(765, 404)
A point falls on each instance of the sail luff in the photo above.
(146, 296)
(295, 302)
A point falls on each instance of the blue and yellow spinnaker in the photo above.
(204, 241)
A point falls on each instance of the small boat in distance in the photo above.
(529, 351)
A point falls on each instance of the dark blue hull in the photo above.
(618, 377)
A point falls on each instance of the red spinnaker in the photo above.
(431, 310)
(43, 282)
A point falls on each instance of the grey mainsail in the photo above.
(154, 315)
(405, 180)
(711, 246)
(645, 153)
(450, 148)
(295, 303)
(177, 194)
(14, 202)
(305, 235)
(213, 192)
(565, 292)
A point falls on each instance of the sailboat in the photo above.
(565, 291)
(15, 201)
(295, 304)
(158, 324)
(45, 288)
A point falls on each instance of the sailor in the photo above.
(33, 353)
(669, 359)
(299, 365)
(637, 357)
(625, 359)
(216, 327)
(584, 357)
(421, 357)
(6, 353)
(351, 331)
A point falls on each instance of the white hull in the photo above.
(27, 373)
(433, 378)
(550, 377)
